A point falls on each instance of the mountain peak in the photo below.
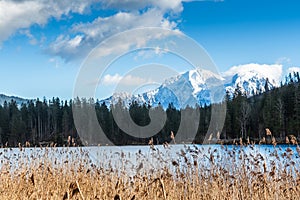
(197, 86)
(253, 78)
(273, 72)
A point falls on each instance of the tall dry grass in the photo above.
(195, 173)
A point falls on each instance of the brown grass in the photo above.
(203, 173)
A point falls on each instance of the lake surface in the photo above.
(141, 159)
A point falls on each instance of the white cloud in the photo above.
(75, 42)
(131, 5)
(91, 34)
(101, 27)
(82, 37)
(136, 39)
(111, 79)
(15, 15)
(127, 80)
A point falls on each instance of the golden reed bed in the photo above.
(234, 175)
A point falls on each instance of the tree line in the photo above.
(40, 121)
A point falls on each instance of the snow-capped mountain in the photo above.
(201, 87)
(190, 88)
(252, 79)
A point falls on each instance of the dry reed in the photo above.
(195, 173)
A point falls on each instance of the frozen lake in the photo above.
(141, 159)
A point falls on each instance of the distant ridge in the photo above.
(8, 99)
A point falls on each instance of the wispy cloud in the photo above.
(32, 39)
(283, 60)
(132, 5)
(128, 80)
(55, 61)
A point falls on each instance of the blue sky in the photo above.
(43, 43)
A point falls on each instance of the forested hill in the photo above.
(39, 121)
(18, 100)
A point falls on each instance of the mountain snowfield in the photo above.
(189, 88)
(252, 78)
(202, 87)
